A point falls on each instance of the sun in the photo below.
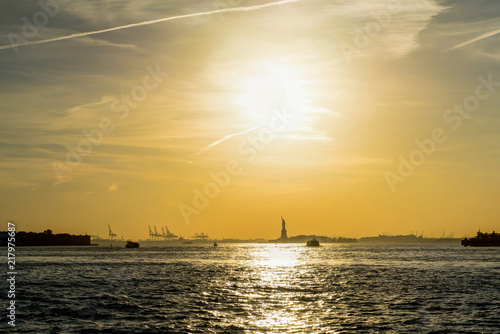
(272, 88)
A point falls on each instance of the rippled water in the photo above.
(258, 288)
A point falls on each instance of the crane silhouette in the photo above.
(111, 235)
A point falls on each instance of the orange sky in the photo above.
(302, 109)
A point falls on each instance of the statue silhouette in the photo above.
(283, 229)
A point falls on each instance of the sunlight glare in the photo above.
(279, 257)
(273, 87)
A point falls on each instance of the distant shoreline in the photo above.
(64, 239)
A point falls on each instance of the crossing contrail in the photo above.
(145, 23)
(476, 39)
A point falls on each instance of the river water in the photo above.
(257, 288)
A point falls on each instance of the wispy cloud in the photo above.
(85, 194)
(217, 142)
(144, 23)
(476, 39)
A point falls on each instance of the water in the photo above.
(258, 288)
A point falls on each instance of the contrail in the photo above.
(217, 142)
(145, 23)
(478, 38)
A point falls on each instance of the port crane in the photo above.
(201, 236)
(150, 233)
(153, 236)
(111, 235)
(165, 234)
(169, 234)
(156, 234)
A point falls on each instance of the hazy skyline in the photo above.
(127, 111)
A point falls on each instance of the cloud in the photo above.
(144, 23)
(375, 30)
(86, 194)
(113, 187)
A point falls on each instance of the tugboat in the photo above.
(131, 244)
(313, 243)
(483, 240)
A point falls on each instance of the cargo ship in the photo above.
(47, 238)
(483, 240)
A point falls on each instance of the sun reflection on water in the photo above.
(277, 256)
(277, 270)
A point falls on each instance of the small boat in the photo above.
(189, 242)
(313, 243)
(215, 243)
(131, 244)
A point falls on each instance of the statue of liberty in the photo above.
(283, 229)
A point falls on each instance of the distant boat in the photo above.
(189, 242)
(313, 243)
(483, 240)
(215, 244)
(131, 244)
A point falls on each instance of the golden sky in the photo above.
(348, 118)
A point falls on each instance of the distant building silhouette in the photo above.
(283, 230)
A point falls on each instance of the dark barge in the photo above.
(483, 240)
